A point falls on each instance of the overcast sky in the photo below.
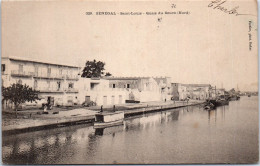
(206, 46)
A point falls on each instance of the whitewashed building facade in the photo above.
(55, 82)
(97, 90)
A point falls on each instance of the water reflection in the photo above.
(38, 146)
(109, 130)
(213, 114)
(150, 120)
(183, 135)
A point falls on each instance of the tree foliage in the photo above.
(18, 94)
(93, 69)
(108, 74)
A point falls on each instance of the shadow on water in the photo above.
(109, 130)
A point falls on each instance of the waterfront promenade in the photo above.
(30, 120)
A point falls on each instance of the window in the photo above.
(35, 84)
(48, 84)
(127, 85)
(3, 67)
(58, 85)
(48, 71)
(60, 71)
(36, 69)
(71, 85)
(114, 85)
(92, 85)
(20, 68)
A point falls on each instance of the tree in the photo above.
(108, 74)
(18, 94)
(232, 91)
(93, 69)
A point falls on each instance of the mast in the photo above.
(215, 91)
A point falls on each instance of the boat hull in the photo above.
(234, 98)
(221, 103)
(216, 103)
(108, 124)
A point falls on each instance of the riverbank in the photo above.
(32, 120)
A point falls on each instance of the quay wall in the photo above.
(90, 119)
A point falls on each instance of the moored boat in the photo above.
(221, 102)
(213, 103)
(233, 98)
(108, 119)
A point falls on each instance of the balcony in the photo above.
(71, 90)
(48, 76)
(72, 77)
(49, 90)
(117, 89)
(18, 73)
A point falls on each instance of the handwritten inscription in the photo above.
(220, 5)
(173, 5)
(250, 35)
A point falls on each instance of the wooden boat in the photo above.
(108, 119)
(233, 98)
(221, 102)
(213, 103)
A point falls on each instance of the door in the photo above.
(87, 99)
(120, 99)
(70, 101)
(50, 100)
(104, 100)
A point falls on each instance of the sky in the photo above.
(205, 46)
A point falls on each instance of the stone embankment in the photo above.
(30, 121)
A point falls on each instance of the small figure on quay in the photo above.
(45, 108)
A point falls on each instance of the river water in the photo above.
(228, 134)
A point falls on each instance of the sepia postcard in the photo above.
(129, 82)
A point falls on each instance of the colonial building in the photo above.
(174, 91)
(193, 91)
(97, 90)
(165, 87)
(198, 91)
(182, 90)
(142, 89)
(57, 83)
